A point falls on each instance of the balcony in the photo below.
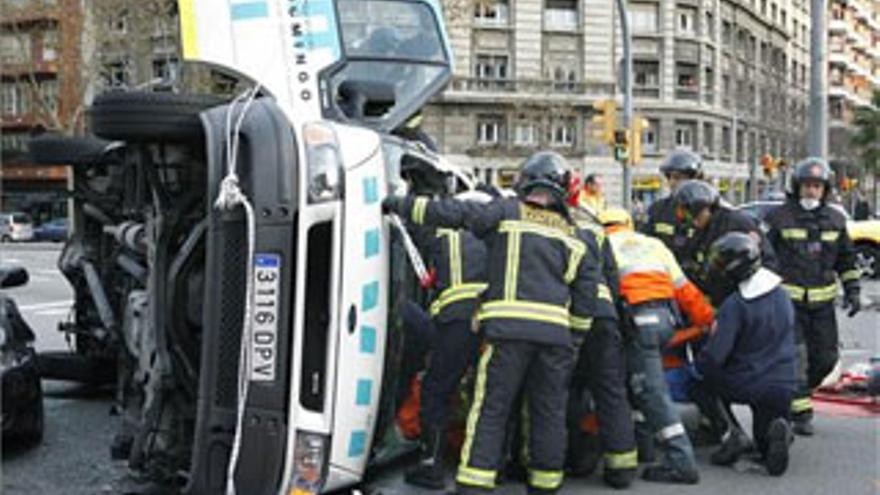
(687, 93)
(646, 91)
(560, 20)
(467, 88)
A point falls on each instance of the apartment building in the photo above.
(853, 71)
(725, 78)
(39, 83)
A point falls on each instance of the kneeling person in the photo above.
(749, 357)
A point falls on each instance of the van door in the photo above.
(363, 303)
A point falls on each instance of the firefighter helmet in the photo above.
(694, 195)
(811, 169)
(735, 256)
(615, 216)
(684, 162)
(548, 171)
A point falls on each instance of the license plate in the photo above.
(264, 339)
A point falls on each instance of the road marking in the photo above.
(52, 312)
(12, 260)
(48, 271)
(54, 304)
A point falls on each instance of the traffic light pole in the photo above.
(818, 143)
(626, 37)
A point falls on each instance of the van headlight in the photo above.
(324, 163)
(309, 463)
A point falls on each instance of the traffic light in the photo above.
(639, 125)
(621, 145)
(768, 164)
(606, 120)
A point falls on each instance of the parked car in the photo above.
(16, 226)
(22, 394)
(301, 397)
(865, 235)
(54, 230)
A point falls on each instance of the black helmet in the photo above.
(545, 170)
(734, 256)
(694, 195)
(812, 168)
(682, 161)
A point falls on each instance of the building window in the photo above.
(14, 49)
(643, 17)
(709, 85)
(708, 138)
(525, 134)
(491, 12)
(9, 98)
(13, 142)
(49, 94)
(165, 68)
(561, 15)
(726, 142)
(650, 141)
(709, 27)
(686, 19)
(684, 134)
(783, 18)
(726, 33)
(562, 132)
(491, 67)
(489, 130)
(773, 12)
(686, 81)
(646, 79)
(763, 7)
(564, 79)
(116, 74)
(50, 45)
(118, 24)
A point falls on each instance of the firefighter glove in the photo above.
(852, 301)
(393, 204)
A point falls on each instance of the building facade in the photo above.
(727, 79)
(39, 91)
(853, 72)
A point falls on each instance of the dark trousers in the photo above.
(601, 371)
(542, 372)
(767, 402)
(817, 351)
(455, 348)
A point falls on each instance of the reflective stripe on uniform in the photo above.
(418, 210)
(515, 229)
(512, 266)
(664, 228)
(603, 292)
(802, 404)
(545, 480)
(582, 324)
(850, 275)
(794, 234)
(455, 294)
(671, 431)
(468, 475)
(622, 460)
(830, 235)
(476, 477)
(525, 310)
(811, 294)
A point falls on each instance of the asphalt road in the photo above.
(73, 459)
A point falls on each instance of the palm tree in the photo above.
(867, 139)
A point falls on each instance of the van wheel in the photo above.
(5, 238)
(149, 117)
(868, 260)
(57, 149)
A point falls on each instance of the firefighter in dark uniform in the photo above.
(698, 205)
(814, 251)
(544, 289)
(458, 260)
(678, 167)
(601, 372)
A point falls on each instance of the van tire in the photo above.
(140, 116)
(55, 149)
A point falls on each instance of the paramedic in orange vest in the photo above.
(651, 283)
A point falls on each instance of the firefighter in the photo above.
(544, 288)
(458, 259)
(654, 288)
(677, 167)
(813, 246)
(698, 205)
(600, 375)
(592, 196)
(749, 357)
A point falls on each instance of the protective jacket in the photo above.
(544, 276)
(459, 261)
(814, 249)
(663, 225)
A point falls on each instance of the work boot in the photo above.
(803, 426)
(669, 474)
(619, 478)
(429, 472)
(734, 444)
(779, 438)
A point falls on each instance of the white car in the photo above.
(16, 226)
